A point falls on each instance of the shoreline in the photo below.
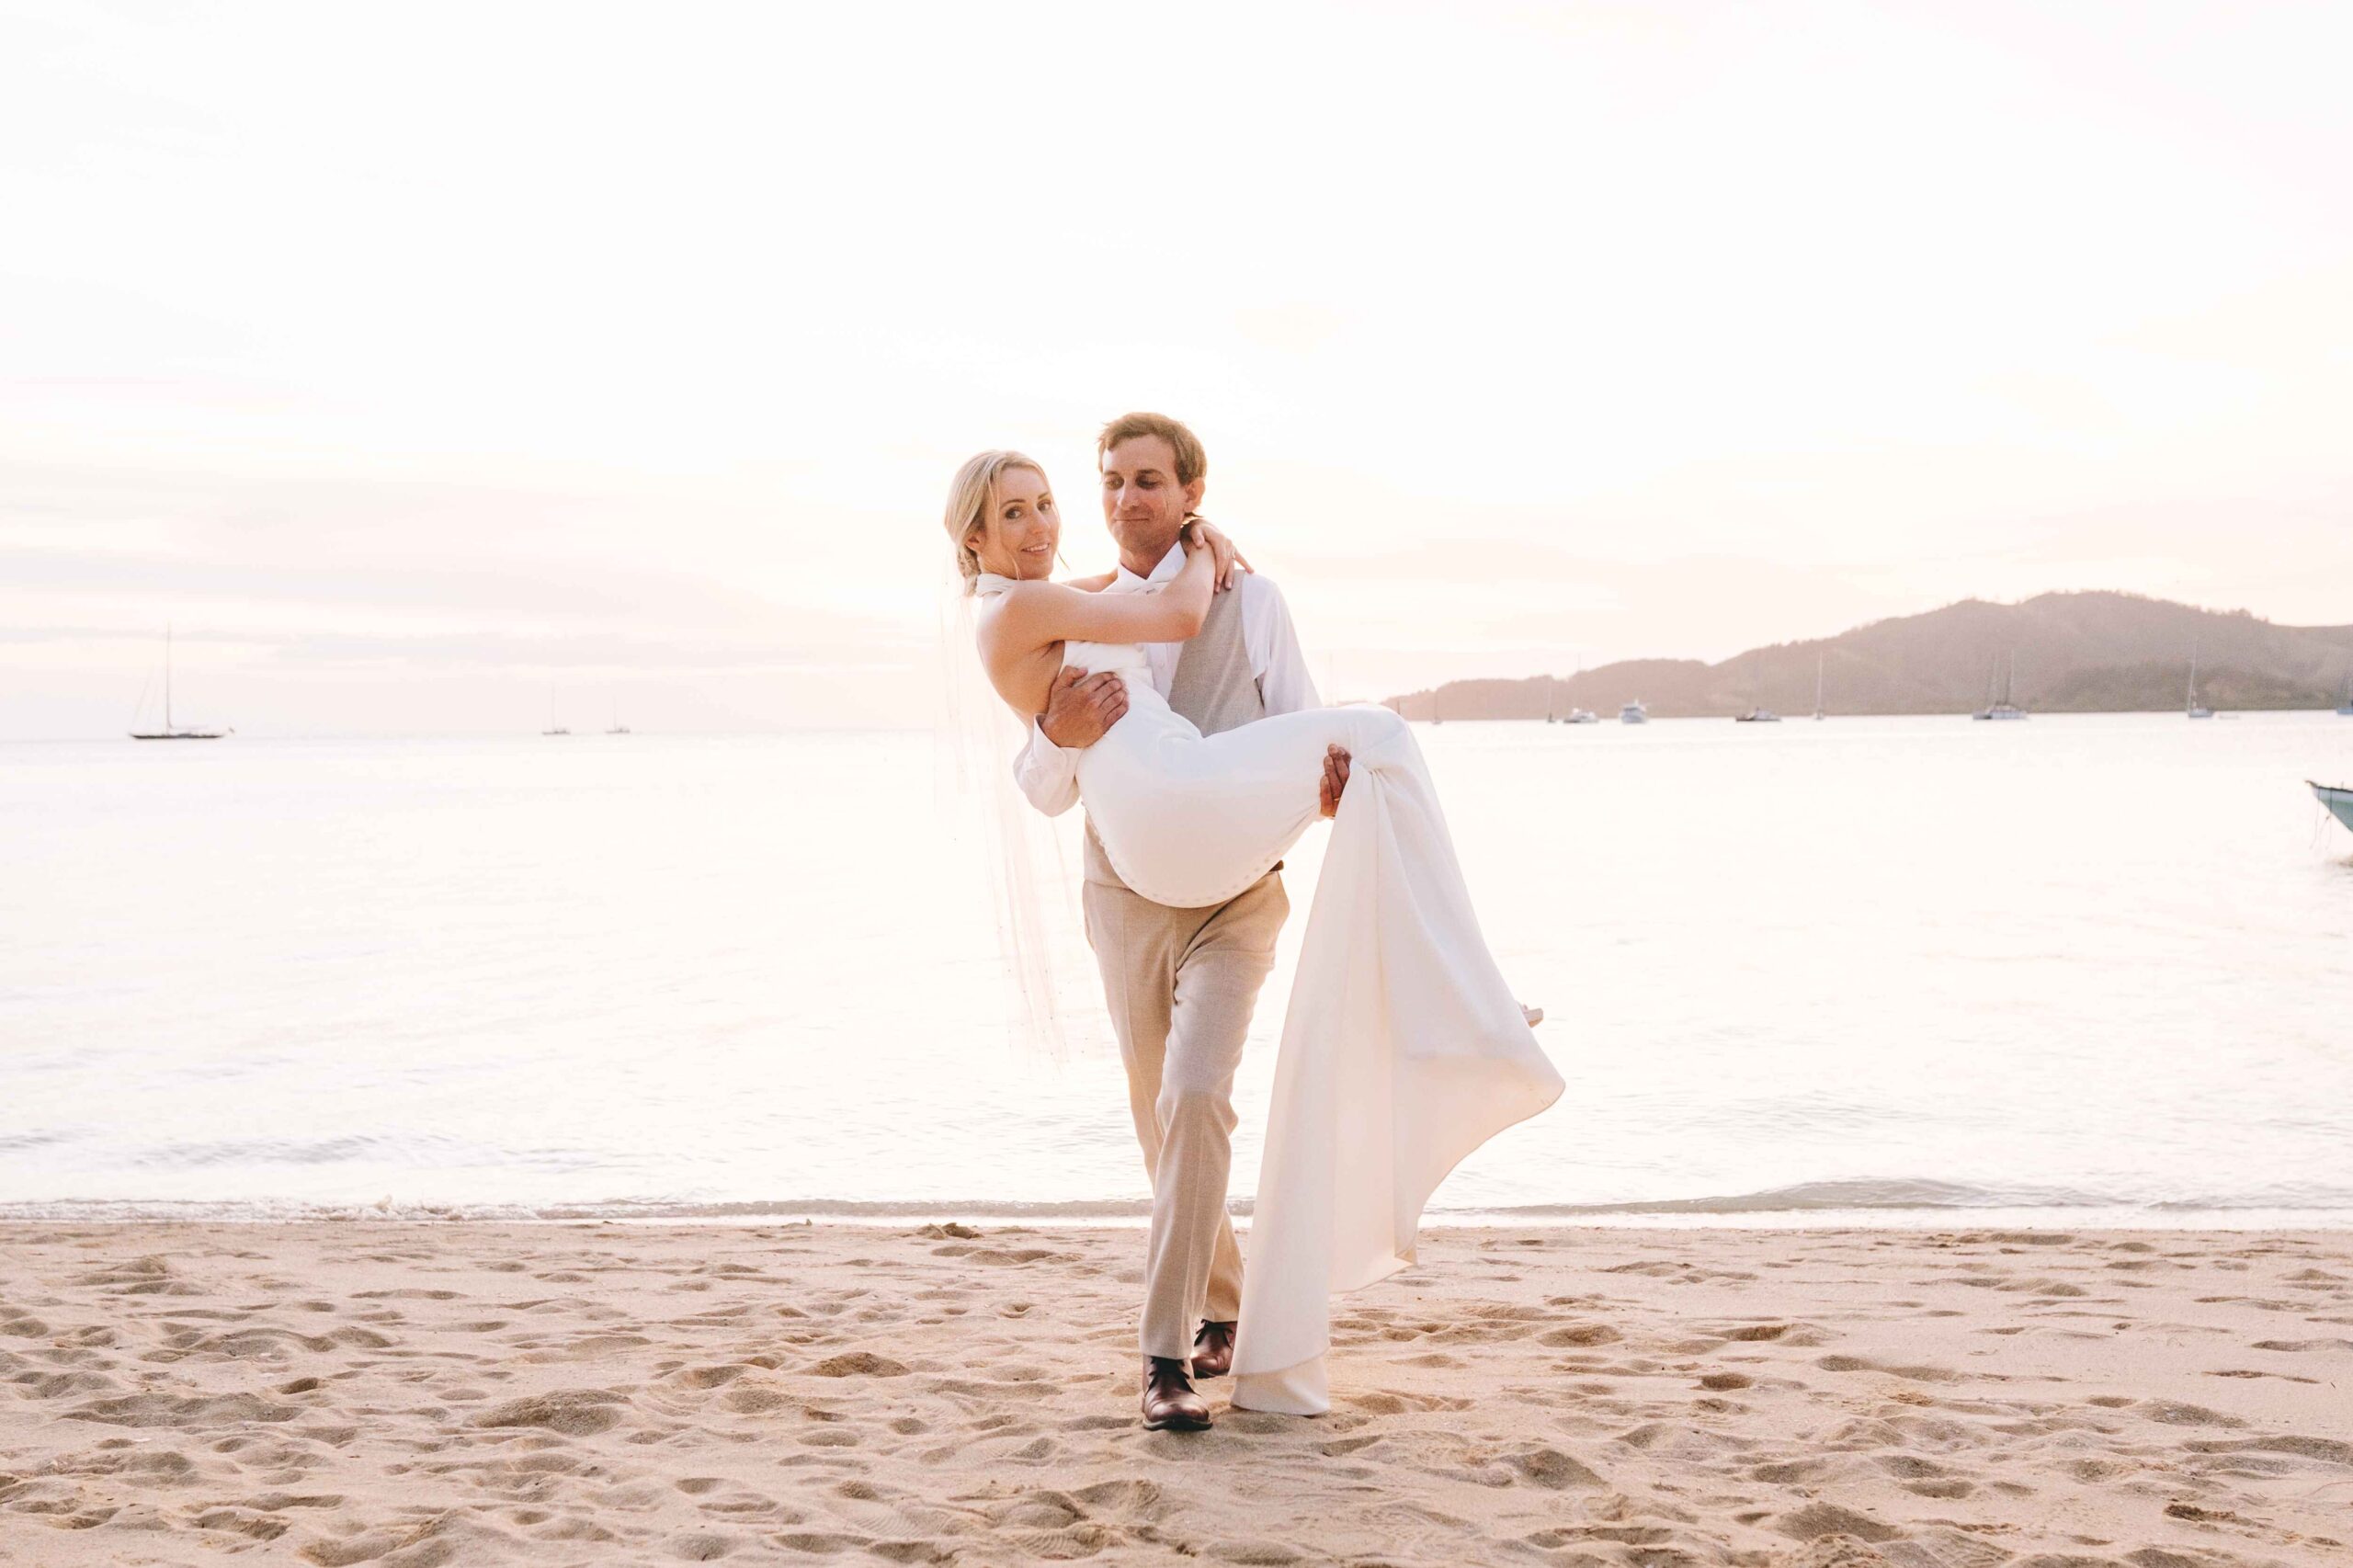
(415, 1392)
(1123, 1215)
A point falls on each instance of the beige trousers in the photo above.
(1181, 985)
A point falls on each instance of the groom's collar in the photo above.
(1170, 565)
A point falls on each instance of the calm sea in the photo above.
(2082, 969)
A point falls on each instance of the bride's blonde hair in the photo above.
(970, 497)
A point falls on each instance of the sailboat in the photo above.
(1817, 686)
(553, 728)
(2344, 708)
(171, 732)
(2003, 707)
(2197, 709)
(617, 727)
(1576, 715)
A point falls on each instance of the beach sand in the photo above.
(464, 1392)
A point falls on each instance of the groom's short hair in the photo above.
(1192, 462)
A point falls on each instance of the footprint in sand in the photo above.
(1552, 1470)
(1917, 1374)
(859, 1364)
(1817, 1520)
(575, 1412)
(1580, 1333)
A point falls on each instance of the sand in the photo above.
(464, 1392)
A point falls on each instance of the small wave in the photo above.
(270, 1151)
(1864, 1203)
(1919, 1195)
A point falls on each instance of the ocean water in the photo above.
(2085, 969)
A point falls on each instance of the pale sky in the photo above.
(423, 363)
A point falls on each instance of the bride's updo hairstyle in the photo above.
(971, 499)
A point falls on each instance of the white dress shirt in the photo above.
(1048, 774)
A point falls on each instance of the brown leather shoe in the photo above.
(1214, 1349)
(1168, 1398)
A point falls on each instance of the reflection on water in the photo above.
(1871, 967)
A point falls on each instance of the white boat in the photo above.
(171, 732)
(2344, 708)
(2337, 798)
(2197, 709)
(618, 728)
(553, 728)
(1581, 716)
(2002, 707)
(1817, 688)
(1634, 713)
(1758, 716)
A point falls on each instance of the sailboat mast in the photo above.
(167, 674)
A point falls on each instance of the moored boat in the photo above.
(2002, 707)
(171, 732)
(2337, 798)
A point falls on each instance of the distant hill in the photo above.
(2091, 653)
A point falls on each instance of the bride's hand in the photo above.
(1200, 534)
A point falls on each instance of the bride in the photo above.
(1403, 1050)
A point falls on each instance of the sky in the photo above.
(434, 369)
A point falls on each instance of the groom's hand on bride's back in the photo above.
(1081, 707)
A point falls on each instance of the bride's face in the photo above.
(1017, 538)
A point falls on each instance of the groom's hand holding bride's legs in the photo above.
(1336, 778)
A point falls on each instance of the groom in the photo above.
(1180, 982)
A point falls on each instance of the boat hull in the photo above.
(2338, 800)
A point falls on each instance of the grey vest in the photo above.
(1214, 686)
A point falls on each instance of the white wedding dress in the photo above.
(1402, 1048)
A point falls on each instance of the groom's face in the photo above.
(1143, 503)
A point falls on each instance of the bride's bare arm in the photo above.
(1039, 613)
